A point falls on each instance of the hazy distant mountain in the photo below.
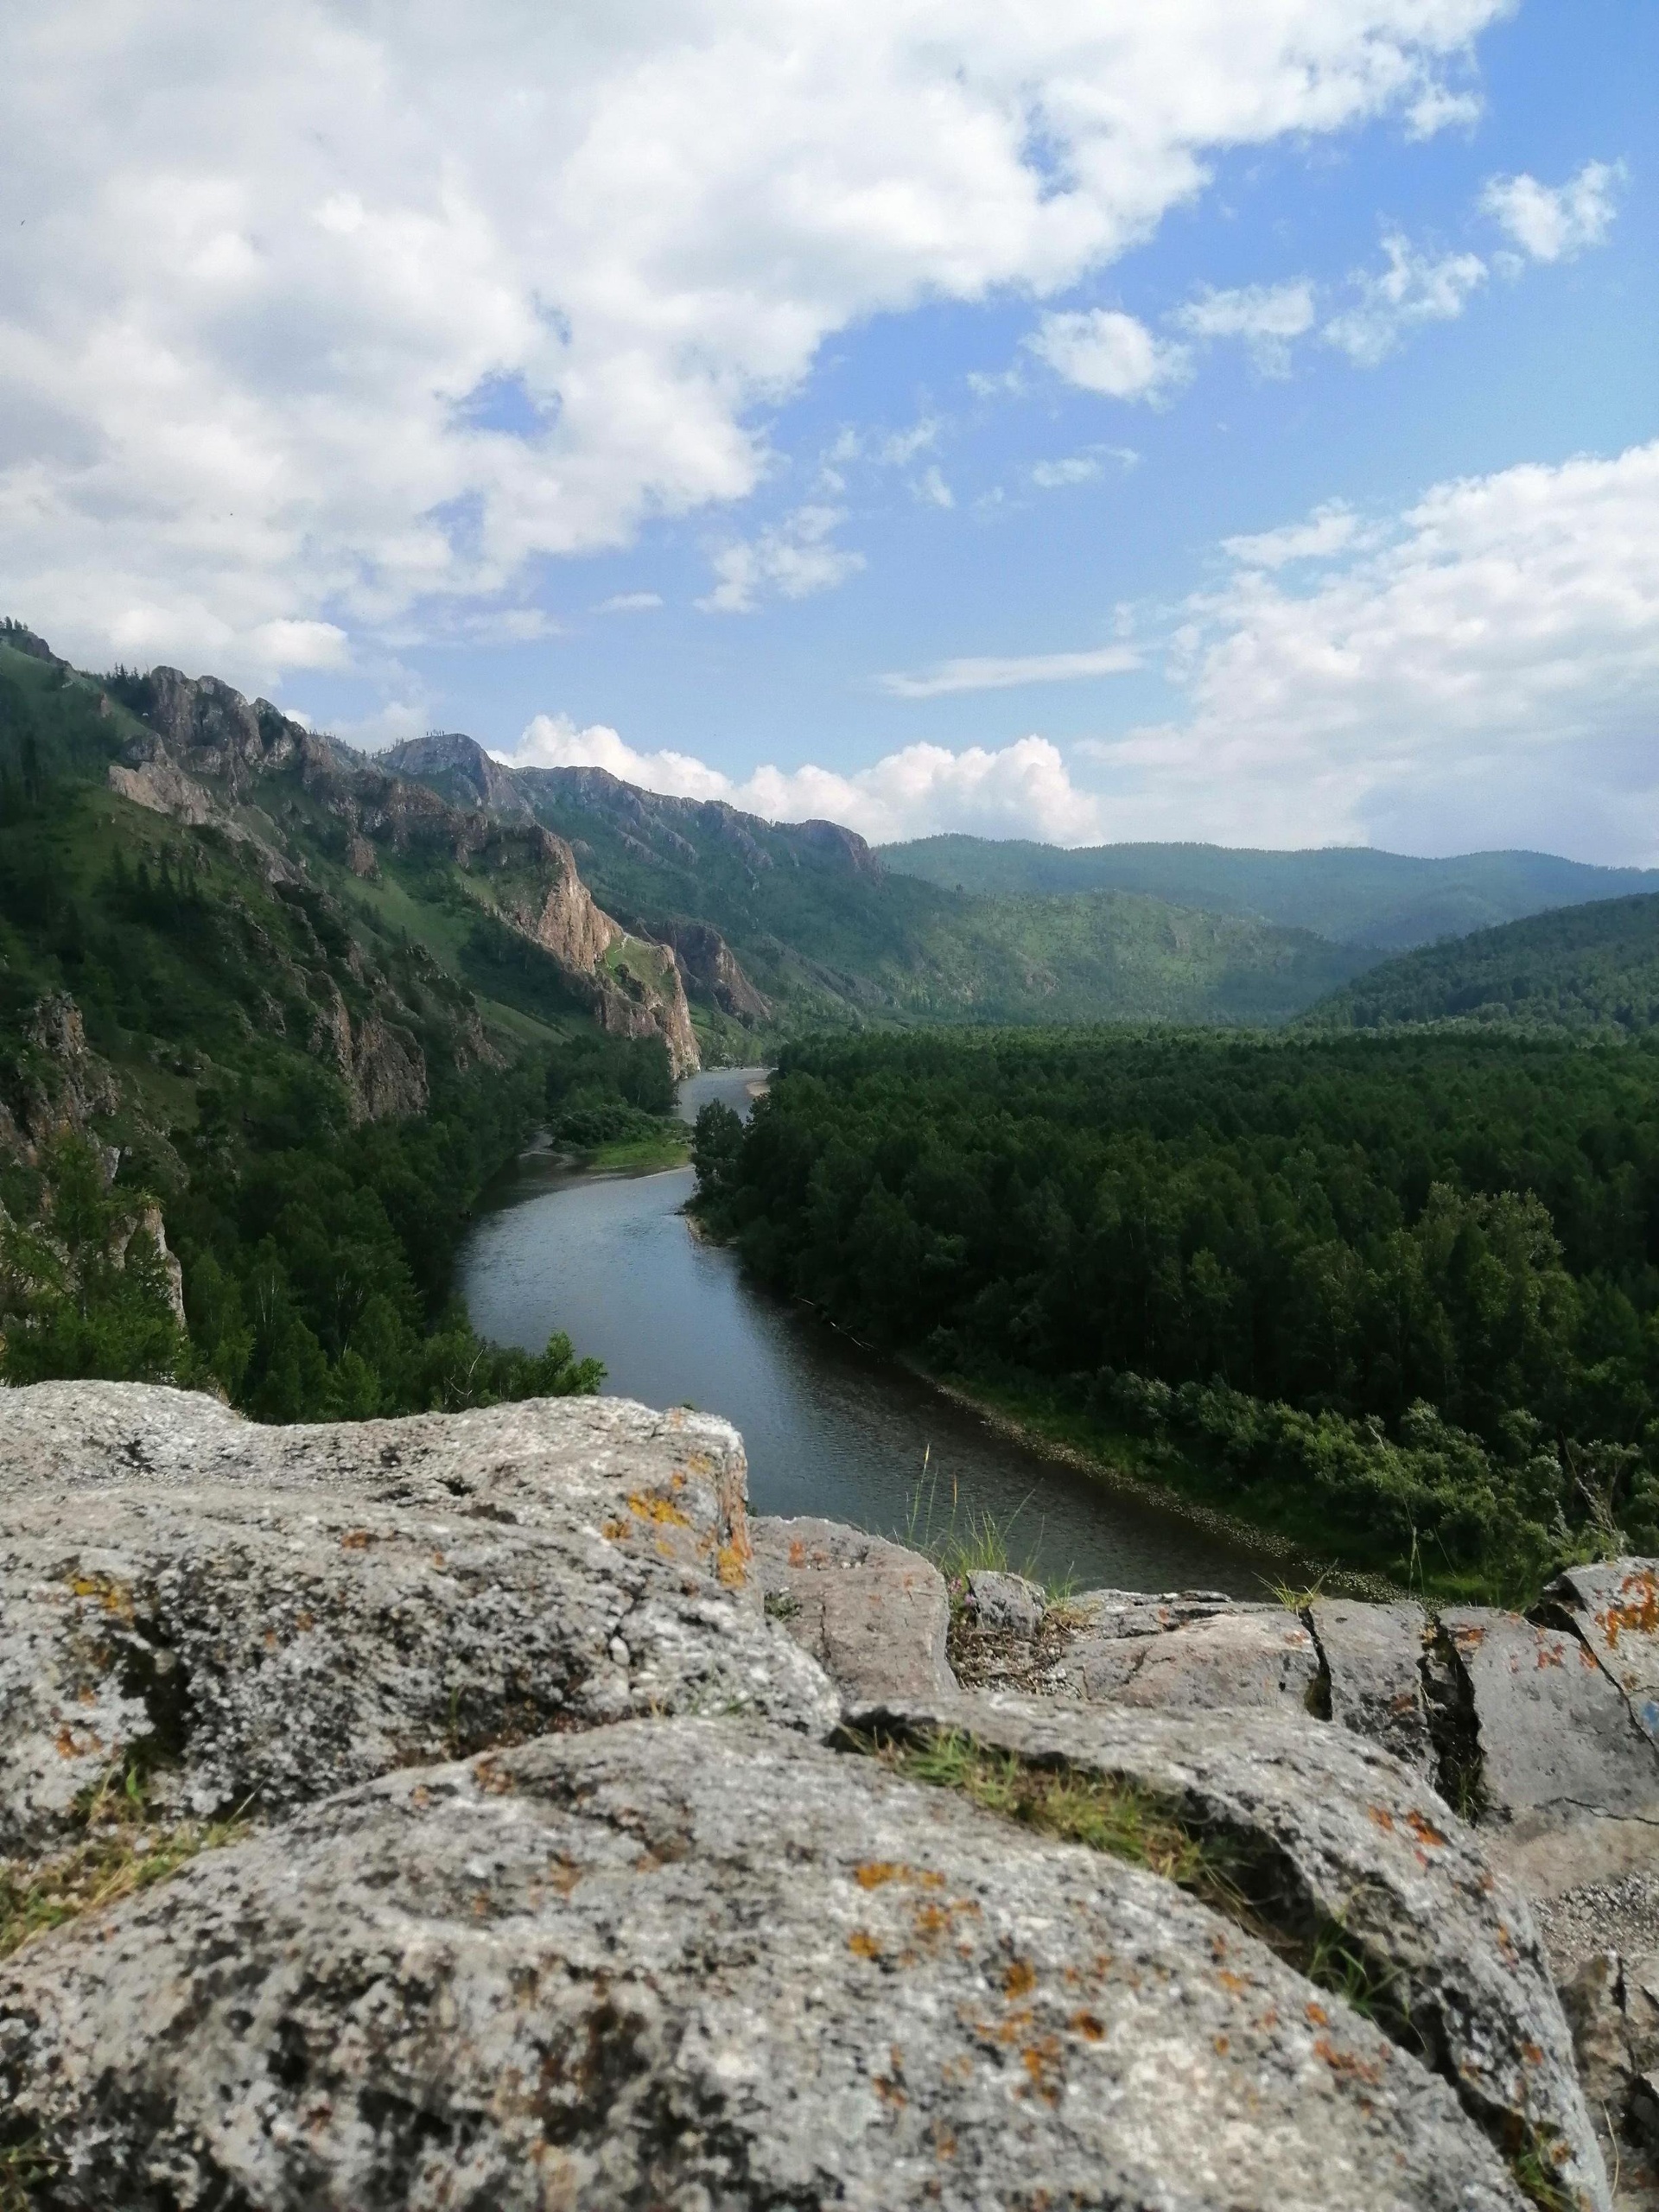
(1351, 894)
(1593, 968)
(808, 919)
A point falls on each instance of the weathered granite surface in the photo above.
(691, 1964)
(873, 1614)
(280, 1613)
(1340, 1838)
(1373, 1657)
(1615, 1608)
(1558, 1740)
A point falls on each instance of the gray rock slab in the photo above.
(1251, 1657)
(1558, 1744)
(873, 1614)
(1152, 1612)
(1354, 1839)
(1374, 1657)
(1615, 1608)
(282, 1613)
(697, 1964)
(1009, 1602)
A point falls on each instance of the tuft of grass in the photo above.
(970, 1539)
(1295, 1598)
(121, 1851)
(23, 2166)
(1103, 1812)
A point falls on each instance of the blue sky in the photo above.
(922, 438)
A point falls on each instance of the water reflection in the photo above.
(830, 1429)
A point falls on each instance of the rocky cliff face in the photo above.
(217, 758)
(583, 1843)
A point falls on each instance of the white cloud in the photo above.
(1102, 350)
(314, 312)
(932, 489)
(1556, 225)
(1326, 531)
(1022, 790)
(989, 673)
(1266, 316)
(629, 602)
(1081, 468)
(792, 561)
(1484, 671)
(1412, 288)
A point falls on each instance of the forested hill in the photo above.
(1398, 1296)
(1594, 970)
(269, 1022)
(1351, 894)
(781, 926)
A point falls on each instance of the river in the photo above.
(829, 1428)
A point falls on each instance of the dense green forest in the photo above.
(832, 937)
(1351, 894)
(1398, 1296)
(272, 1068)
(1593, 968)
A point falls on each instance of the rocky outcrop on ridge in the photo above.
(212, 758)
(566, 1875)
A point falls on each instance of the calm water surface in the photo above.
(830, 1429)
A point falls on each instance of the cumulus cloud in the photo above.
(1482, 669)
(320, 313)
(1266, 316)
(1022, 790)
(1102, 350)
(1414, 287)
(1556, 225)
(792, 561)
(990, 673)
(630, 602)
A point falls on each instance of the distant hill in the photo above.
(1593, 968)
(1387, 901)
(809, 922)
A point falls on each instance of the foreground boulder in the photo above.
(875, 1616)
(1348, 1858)
(688, 1964)
(272, 1614)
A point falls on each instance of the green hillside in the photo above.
(248, 1094)
(829, 934)
(1387, 901)
(1591, 969)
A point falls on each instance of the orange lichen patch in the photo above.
(271, 1639)
(1317, 2015)
(491, 1777)
(1381, 1817)
(1551, 1655)
(115, 1597)
(613, 1531)
(562, 1874)
(863, 1945)
(1234, 1984)
(1638, 1611)
(1469, 1638)
(657, 1509)
(732, 1562)
(71, 1746)
(1020, 1979)
(1043, 2062)
(876, 1873)
(1532, 2053)
(796, 1551)
(1346, 2065)
(356, 1539)
(437, 1559)
(1223, 2044)
(1086, 2025)
(1424, 1829)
